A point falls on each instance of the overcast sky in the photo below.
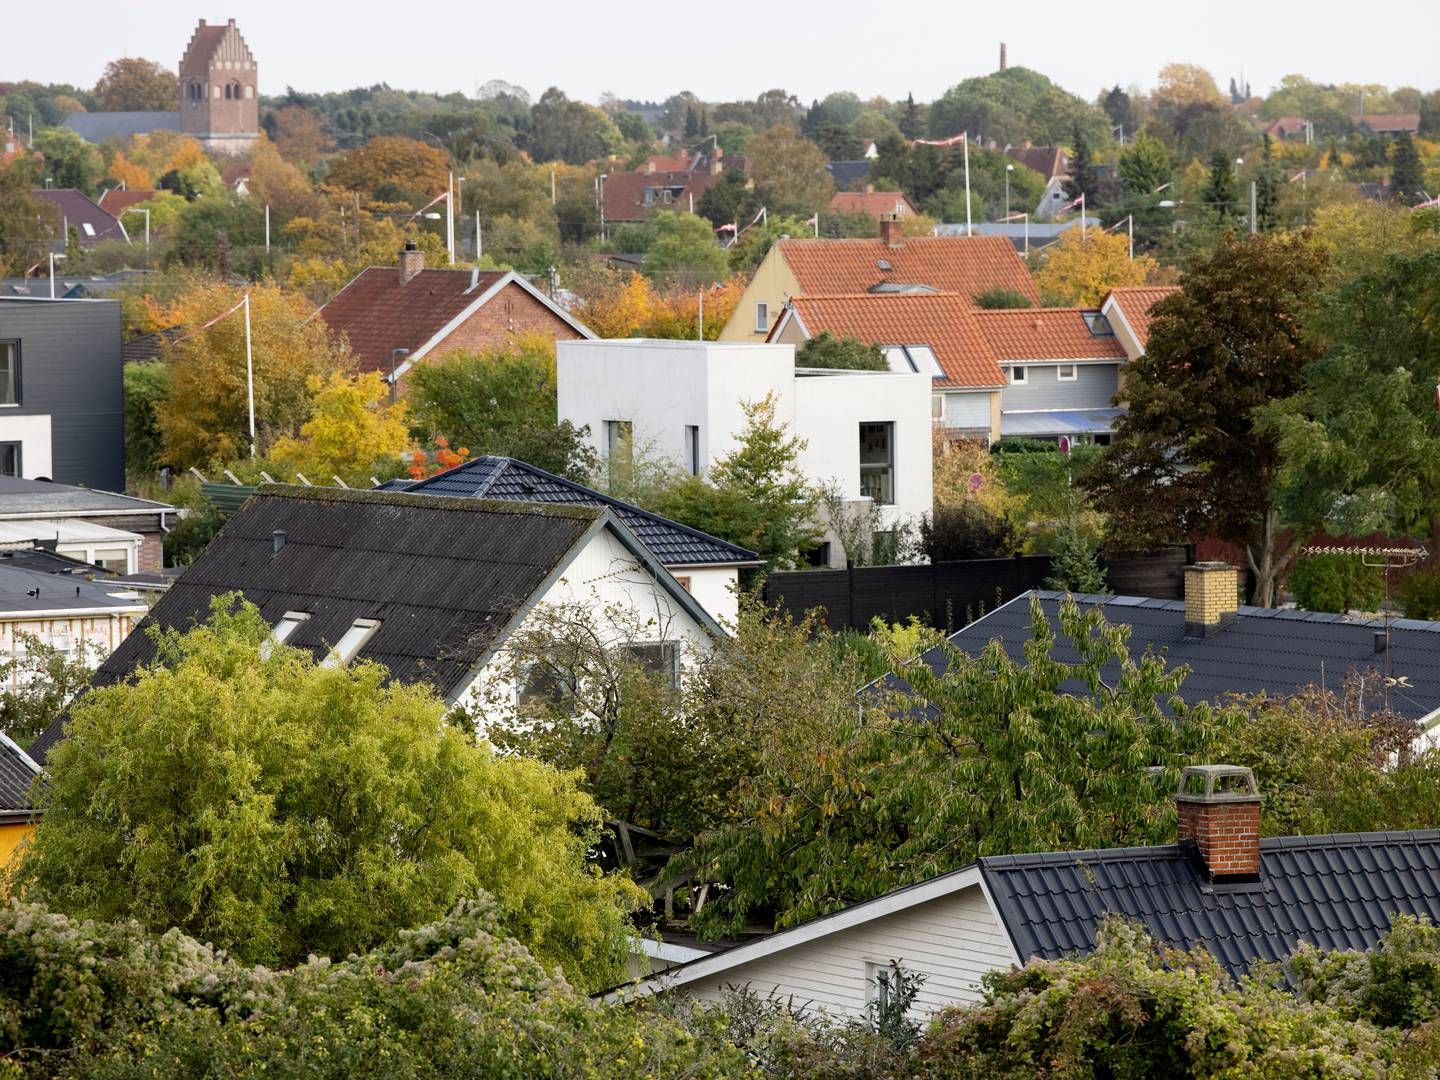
(738, 48)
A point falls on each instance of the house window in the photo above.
(660, 660)
(284, 630)
(692, 449)
(544, 687)
(116, 560)
(1065, 372)
(683, 582)
(9, 373)
(1017, 375)
(937, 407)
(351, 642)
(10, 459)
(819, 556)
(762, 318)
(877, 462)
(619, 448)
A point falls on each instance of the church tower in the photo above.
(219, 91)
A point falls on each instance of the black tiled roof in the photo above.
(1264, 649)
(511, 480)
(17, 775)
(1337, 892)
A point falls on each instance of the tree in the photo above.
(728, 200)
(146, 384)
(300, 135)
(352, 432)
(1016, 104)
(826, 351)
(1121, 110)
(789, 172)
(967, 530)
(570, 131)
(27, 224)
(1144, 165)
(1268, 182)
(999, 298)
(192, 796)
(415, 168)
(1083, 180)
(1187, 84)
(39, 681)
(1081, 270)
(1190, 456)
(1219, 193)
(132, 84)
(278, 184)
(205, 416)
(685, 250)
(70, 161)
(1407, 174)
(910, 119)
(501, 401)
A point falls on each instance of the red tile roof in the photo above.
(1383, 122)
(1286, 126)
(1136, 302)
(1045, 334)
(944, 321)
(958, 264)
(873, 203)
(203, 43)
(625, 192)
(117, 201)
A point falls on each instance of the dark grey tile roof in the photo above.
(493, 477)
(17, 775)
(42, 497)
(1264, 649)
(1337, 892)
(847, 174)
(25, 589)
(98, 127)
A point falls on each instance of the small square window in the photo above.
(660, 660)
(10, 459)
(1017, 375)
(1065, 372)
(762, 318)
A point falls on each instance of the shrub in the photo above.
(1420, 595)
(844, 353)
(1336, 583)
(966, 531)
(998, 297)
(1076, 568)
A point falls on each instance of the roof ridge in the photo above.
(378, 496)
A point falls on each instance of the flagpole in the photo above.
(249, 375)
(965, 142)
(1082, 215)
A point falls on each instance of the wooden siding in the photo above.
(1093, 388)
(953, 941)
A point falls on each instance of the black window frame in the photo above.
(16, 364)
(19, 447)
(876, 468)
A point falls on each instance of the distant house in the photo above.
(1049, 161)
(394, 317)
(673, 182)
(1130, 310)
(867, 433)
(705, 566)
(1220, 888)
(119, 533)
(61, 391)
(1288, 129)
(117, 200)
(430, 587)
(83, 618)
(19, 774)
(74, 210)
(874, 204)
(1388, 123)
(893, 263)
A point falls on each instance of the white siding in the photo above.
(967, 410)
(953, 940)
(33, 435)
(715, 589)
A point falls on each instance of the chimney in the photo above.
(1382, 641)
(892, 231)
(869, 189)
(1002, 56)
(412, 261)
(277, 541)
(1222, 819)
(1211, 598)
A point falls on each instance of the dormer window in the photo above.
(351, 642)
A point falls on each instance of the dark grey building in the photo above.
(61, 392)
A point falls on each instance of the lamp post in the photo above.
(600, 190)
(146, 211)
(53, 257)
(460, 199)
(1008, 170)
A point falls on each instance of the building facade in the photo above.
(219, 90)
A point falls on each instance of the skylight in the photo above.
(284, 630)
(920, 359)
(1097, 324)
(351, 642)
(901, 287)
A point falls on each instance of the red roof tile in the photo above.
(1045, 334)
(958, 264)
(1387, 122)
(625, 193)
(944, 321)
(1136, 302)
(874, 203)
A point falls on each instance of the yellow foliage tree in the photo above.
(618, 307)
(1358, 234)
(353, 432)
(1080, 271)
(963, 472)
(393, 160)
(276, 183)
(124, 171)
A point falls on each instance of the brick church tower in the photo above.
(219, 92)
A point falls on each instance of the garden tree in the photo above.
(967, 530)
(500, 401)
(276, 183)
(964, 470)
(1190, 456)
(755, 495)
(1219, 193)
(39, 680)
(394, 162)
(1361, 440)
(204, 418)
(1269, 180)
(616, 305)
(873, 125)
(146, 385)
(1178, 85)
(1361, 235)
(633, 128)
(1081, 270)
(354, 432)
(163, 152)
(756, 240)
(827, 351)
(127, 173)
(729, 200)
(684, 251)
(789, 172)
(132, 84)
(27, 224)
(570, 131)
(1000, 761)
(191, 796)
(1046, 504)
(300, 134)
(999, 298)
(910, 120)
(1076, 568)
(1407, 174)
(1083, 179)
(1144, 165)
(837, 142)
(224, 233)
(70, 161)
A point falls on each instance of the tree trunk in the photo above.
(1271, 563)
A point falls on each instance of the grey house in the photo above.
(61, 392)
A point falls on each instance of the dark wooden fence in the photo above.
(950, 595)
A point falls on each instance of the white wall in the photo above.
(715, 588)
(33, 433)
(953, 940)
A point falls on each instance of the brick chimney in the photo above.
(892, 231)
(412, 261)
(1219, 808)
(1212, 591)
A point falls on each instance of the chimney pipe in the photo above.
(1222, 820)
(1002, 56)
(1212, 592)
(1382, 641)
(277, 540)
(892, 231)
(412, 261)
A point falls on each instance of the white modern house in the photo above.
(866, 433)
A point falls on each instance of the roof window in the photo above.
(284, 630)
(351, 642)
(1097, 324)
(913, 358)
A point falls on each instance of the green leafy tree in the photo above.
(147, 383)
(1016, 104)
(684, 251)
(729, 200)
(1407, 174)
(70, 161)
(826, 351)
(501, 401)
(39, 681)
(1219, 193)
(570, 131)
(1144, 166)
(1083, 178)
(1269, 179)
(910, 120)
(789, 172)
(1191, 456)
(27, 224)
(999, 298)
(244, 793)
(133, 84)
(1077, 565)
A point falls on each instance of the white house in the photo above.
(82, 618)
(867, 433)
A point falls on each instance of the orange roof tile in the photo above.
(1136, 302)
(1045, 334)
(957, 264)
(943, 321)
(873, 203)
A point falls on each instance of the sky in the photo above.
(736, 48)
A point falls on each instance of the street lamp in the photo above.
(1008, 170)
(146, 211)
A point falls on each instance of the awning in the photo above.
(1069, 422)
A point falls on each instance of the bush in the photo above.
(842, 353)
(1076, 568)
(1420, 595)
(997, 297)
(1336, 583)
(966, 531)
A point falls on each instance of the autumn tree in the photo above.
(132, 84)
(1189, 457)
(300, 135)
(130, 175)
(393, 163)
(27, 224)
(789, 172)
(354, 432)
(570, 131)
(276, 183)
(1080, 270)
(205, 416)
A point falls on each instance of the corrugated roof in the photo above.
(507, 479)
(17, 777)
(944, 321)
(960, 264)
(1137, 304)
(1336, 892)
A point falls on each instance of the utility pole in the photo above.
(450, 216)
(1254, 225)
(267, 229)
(249, 375)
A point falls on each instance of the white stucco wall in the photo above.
(33, 435)
(716, 590)
(91, 636)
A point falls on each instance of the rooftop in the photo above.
(1137, 306)
(40, 498)
(960, 264)
(78, 212)
(17, 778)
(27, 591)
(1048, 334)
